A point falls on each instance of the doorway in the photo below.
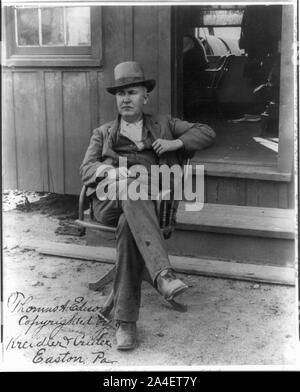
(226, 72)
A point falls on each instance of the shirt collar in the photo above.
(136, 124)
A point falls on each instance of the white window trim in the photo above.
(45, 56)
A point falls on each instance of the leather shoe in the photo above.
(126, 335)
(169, 286)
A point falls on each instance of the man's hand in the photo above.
(120, 172)
(161, 146)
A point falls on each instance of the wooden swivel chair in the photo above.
(216, 75)
(166, 212)
(215, 78)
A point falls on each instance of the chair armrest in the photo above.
(213, 70)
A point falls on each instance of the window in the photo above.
(229, 17)
(58, 36)
(221, 29)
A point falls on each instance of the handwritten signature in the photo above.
(18, 303)
(55, 333)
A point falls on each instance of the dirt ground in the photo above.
(51, 317)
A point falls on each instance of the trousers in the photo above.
(140, 245)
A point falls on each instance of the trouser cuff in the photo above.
(121, 316)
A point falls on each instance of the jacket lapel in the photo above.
(108, 150)
(113, 130)
(152, 126)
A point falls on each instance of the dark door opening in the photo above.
(226, 72)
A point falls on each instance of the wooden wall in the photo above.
(49, 113)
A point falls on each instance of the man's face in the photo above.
(130, 102)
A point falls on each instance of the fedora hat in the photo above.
(130, 73)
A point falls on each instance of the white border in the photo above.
(14, 367)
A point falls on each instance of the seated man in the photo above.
(143, 140)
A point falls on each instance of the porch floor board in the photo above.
(235, 144)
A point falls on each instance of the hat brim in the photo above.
(149, 84)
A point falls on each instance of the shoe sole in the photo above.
(127, 348)
(177, 292)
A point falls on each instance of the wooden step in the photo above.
(246, 170)
(245, 234)
(241, 220)
(253, 235)
(197, 266)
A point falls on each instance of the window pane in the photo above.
(28, 26)
(78, 26)
(225, 17)
(52, 26)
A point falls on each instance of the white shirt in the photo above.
(133, 131)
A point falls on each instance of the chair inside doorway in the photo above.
(237, 91)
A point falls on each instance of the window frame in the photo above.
(61, 56)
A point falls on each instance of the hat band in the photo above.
(130, 80)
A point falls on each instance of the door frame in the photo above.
(284, 169)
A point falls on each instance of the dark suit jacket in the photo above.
(100, 150)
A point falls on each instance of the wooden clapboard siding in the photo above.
(115, 39)
(107, 109)
(9, 156)
(128, 33)
(163, 75)
(30, 131)
(43, 137)
(105, 102)
(54, 122)
(146, 38)
(94, 99)
(77, 123)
